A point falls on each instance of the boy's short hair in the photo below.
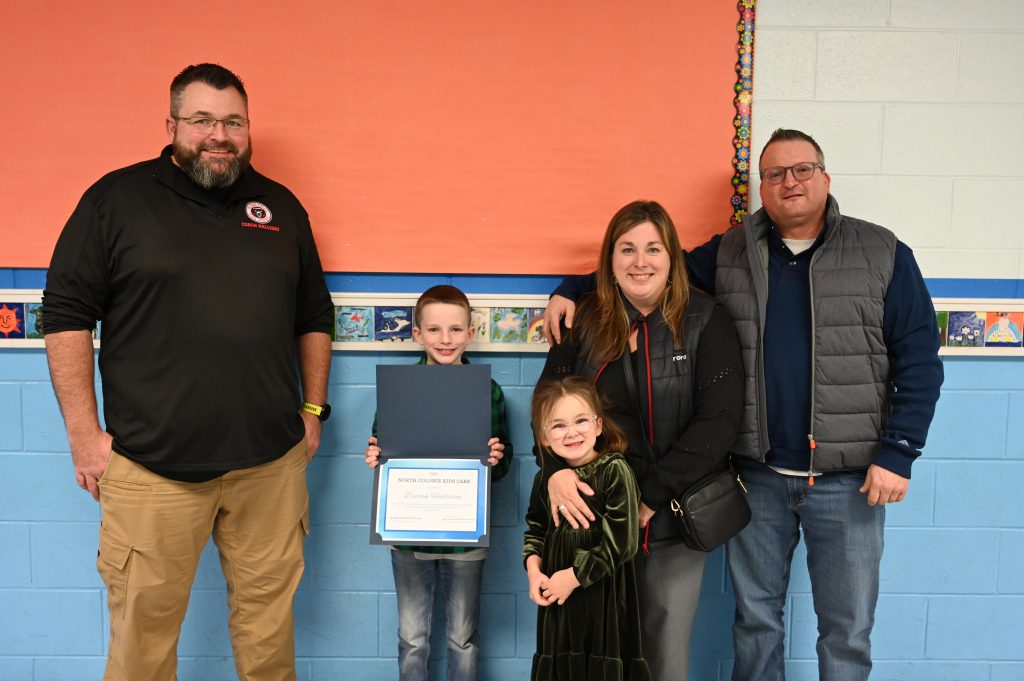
(441, 294)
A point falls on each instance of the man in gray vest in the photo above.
(842, 369)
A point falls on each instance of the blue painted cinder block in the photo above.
(899, 627)
(939, 561)
(505, 367)
(918, 508)
(340, 489)
(335, 623)
(495, 632)
(15, 564)
(1011, 564)
(10, 417)
(504, 572)
(712, 633)
(49, 623)
(1015, 429)
(969, 425)
(44, 426)
(64, 555)
(899, 631)
(388, 625)
(888, 670)
(23, 364)
(209, 576)
(352, 368)
(343, 560)
(42, 487)
(509, 668)
(204, 633)
(1010, 671)
(715, 574)
(979, 494)
(526, 625)
(18, 669)
(975, 628)
(6, 277)
(531, 368)
(356, 669)
(351, 420)
(982, 373)
(505, 497)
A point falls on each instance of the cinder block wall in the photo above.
(920, 107)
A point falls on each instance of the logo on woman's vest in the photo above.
(258, 212)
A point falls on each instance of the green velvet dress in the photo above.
(595, 634)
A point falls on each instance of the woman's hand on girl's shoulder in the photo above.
(564, 488)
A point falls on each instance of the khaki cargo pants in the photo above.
(151, 535)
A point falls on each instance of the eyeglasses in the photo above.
(801, 172)
(582, 425)
(232, 126)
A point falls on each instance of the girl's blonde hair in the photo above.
(547, 392)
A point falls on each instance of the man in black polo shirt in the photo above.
(208, 282)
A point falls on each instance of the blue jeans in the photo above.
(844, 539)
(414, 586)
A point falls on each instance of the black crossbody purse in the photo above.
(711, 511)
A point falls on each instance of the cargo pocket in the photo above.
(113, 564)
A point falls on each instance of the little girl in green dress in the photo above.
(588, 623)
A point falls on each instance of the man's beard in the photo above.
(211, 173)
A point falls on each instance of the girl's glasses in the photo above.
(582, 425)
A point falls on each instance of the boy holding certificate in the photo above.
(442, 325)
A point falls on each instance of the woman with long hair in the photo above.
(666, 359)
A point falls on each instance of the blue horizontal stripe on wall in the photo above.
(362, 282)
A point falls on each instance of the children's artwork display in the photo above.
(508, 325)
(353, 323)
(392, 323)
(965, 329)
(1003, 329)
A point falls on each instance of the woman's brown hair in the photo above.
(609, 332)
(547, 392)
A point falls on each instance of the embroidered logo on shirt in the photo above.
(258, 212)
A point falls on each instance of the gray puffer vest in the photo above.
(849, 276)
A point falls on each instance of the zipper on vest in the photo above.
(810, 468)
(810, 423)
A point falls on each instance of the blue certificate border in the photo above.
(477, 537)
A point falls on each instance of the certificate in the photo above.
(422, 501)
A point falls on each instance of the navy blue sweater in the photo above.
(908, 328)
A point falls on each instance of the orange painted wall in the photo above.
(431, 136)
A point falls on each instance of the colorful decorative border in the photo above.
(743, 100)
(983, 327)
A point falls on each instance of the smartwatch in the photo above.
(322, 411)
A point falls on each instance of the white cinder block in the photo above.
(959, 14)
(849, 134)
(991, 68)
(842, 13)
(967, 264)
(953, 140)
(889, 66)
(982, 217)
(916, 209)
(784, 65)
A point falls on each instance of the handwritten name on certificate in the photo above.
(439, 500)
